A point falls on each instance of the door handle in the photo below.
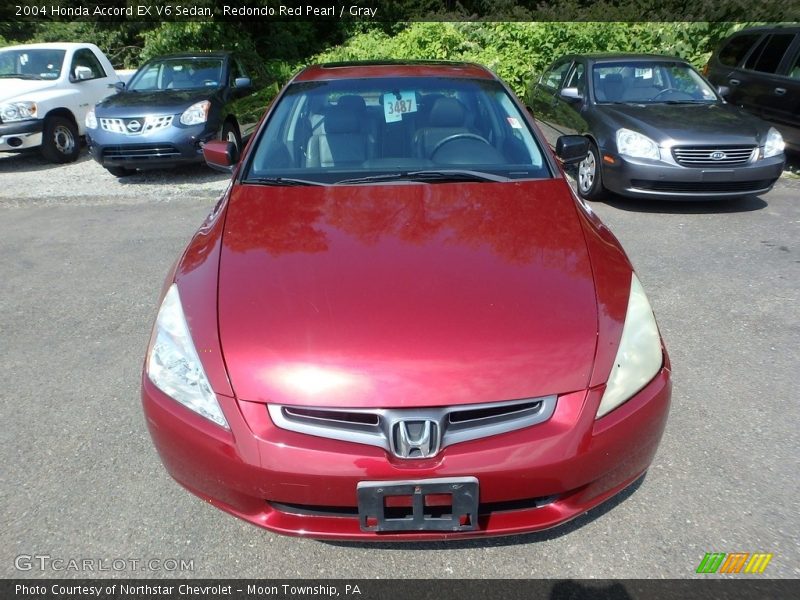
(734, 81)
(780, 91)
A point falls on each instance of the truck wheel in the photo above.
(60, 141)
(120, 171)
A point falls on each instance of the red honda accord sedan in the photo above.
(400, 323)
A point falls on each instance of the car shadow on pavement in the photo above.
(196, 173)
(687, 207)
(511, 540)
(32, 160)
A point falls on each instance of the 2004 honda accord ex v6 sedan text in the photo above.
(400, 323)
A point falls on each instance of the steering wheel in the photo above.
(664, 91)
(456, 136)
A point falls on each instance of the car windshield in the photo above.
(178, 74)
(26, 63)
(431, 129)
(642, 82)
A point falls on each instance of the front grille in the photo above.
(141, 152)
(394, 429)
(484, 508)
(713, 156)
(136, 125)
(700, 187)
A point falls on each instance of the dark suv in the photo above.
(168, 110)
(760, 67)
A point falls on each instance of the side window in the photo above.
(555, 76)
(577, 79)
(769, 53)
(236, 71)
(86, 58)
(733, 52)
(794, 70)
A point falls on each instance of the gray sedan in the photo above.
(657, 129)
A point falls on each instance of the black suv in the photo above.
(168, 110)
(760, 67)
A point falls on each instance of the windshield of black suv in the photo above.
(642, 82)
(178, 74)
(27, 63)
(430, 129)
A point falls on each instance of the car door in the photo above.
(758, 83)
(567, 110)
(784, 106)
(92, 90)
(544, 96)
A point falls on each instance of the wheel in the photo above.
(590, 179)
(60, 142)
(230, 133)
(120, 171)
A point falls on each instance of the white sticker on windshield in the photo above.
(644, 73)
(395, 105)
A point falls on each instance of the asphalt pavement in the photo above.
(83, 259)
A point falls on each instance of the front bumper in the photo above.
(20, 135)
(171, 146)
(297, 484)
(643, 178)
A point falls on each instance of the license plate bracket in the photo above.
(412, 510)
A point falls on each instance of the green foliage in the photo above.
(518, 50)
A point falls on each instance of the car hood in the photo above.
(405, 295)
(135, 104)
(11, 88)
(700, 124)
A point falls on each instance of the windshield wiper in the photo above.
(427, 176)
(280, 181)
(686, 102)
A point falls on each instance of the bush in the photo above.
(517, 51)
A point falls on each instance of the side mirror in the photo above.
(571, 94)
(220, 155)
(120, 85)
(724, 91)
(242, 83)
(572, 148)
(83, 73)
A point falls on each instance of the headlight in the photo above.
(636, 145)
(18, 111)
(91, 120)
(197, 113)
(173, 365)
(639, 356)
(774, 144)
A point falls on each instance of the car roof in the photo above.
(51, 46)
(393, 68)
(629, 56)
(212, 54)
(788, 28)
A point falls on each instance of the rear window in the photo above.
(734, 51)
(767, 57)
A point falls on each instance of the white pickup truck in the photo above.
(45, 92)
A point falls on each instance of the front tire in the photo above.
(60, 141)
(590, 177)
(230, 133)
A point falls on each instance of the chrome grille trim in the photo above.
(352, 425)
(701, 156)
(146, 124)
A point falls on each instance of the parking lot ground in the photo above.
(83, 259)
